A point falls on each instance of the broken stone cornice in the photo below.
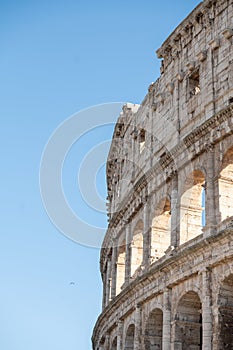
(214, 44)
(177, 33)
(227, 33)
(202, 55)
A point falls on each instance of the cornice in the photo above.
(171, 46)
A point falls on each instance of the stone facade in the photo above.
(167, 257)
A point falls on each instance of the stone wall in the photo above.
(166, 260)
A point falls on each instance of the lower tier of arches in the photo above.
(193, 311)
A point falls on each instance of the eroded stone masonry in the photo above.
(167, 257)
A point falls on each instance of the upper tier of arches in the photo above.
(189, 205)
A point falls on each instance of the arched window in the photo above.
(129, 339)
(225, 301)
(226, 186)
(114, 344)
(154, 331)
(120, 278)
(161, 229)
(137, 247)
(101, 344)
(188, 322)
(142, 139)
(192, 213)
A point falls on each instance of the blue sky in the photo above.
(57, 58)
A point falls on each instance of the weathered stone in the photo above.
(167, 257)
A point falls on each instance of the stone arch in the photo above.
(161, 229)
(225, 302)
(129, 338)
(188, 322)
(137, 247)
(101, 344)
(192, 206)
(226, 185)
(114, 344)
(154, 330)
(120, 268)
(185, 289)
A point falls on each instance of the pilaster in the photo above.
(108, 282)
(119, 335)
(175, 211)
(146, 233)
(138, 330)
(128, 254)
(210, 193)
(207, 321)
(166, 320)
(113, 270)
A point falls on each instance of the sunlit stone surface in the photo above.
(166, 260)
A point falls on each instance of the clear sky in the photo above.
(57, 58)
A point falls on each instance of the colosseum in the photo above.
(167, 257)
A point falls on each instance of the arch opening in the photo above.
(154, 331)
(101, 344)
(226, 186)
(226, 314)
(188, 323)
(129, 339)
(161, 229)
(192, 207)
(114, 344)
(137, 247)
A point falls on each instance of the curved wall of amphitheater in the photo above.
(167, 257)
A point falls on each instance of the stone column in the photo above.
(212, 64)
(119, 335)
(210, 207)
(207, 321)
(114, 270)
(128, 254)
(104, 279)
(138, 331)
(175, 212)
(146, 234)
(216, 326)
(134, 141)
(108, 279)
(166, 320)
(106, 343)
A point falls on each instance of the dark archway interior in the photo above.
(188, 323)
(226, 314)
(114, 344)
(154, 330)
(129, 339)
